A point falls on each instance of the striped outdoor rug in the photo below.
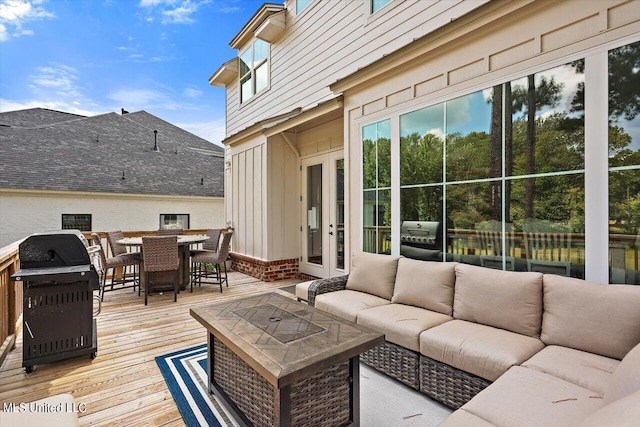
(185, 373)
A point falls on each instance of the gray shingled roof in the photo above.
(51, 150)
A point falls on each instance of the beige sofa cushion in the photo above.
(347, 304)
(626, 378)
(528, 398)
(504, 299)
(623, 412)
(573, 319)
(478, 349)
(374, 274)
(401, 324)
(462, 418)
(588, 370)
(426, 284)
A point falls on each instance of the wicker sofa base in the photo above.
(447, 384)
(321, 399)
(395, 361)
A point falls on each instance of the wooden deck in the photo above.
(123, 385)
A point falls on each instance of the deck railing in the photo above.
(11, 292)
(10, 299)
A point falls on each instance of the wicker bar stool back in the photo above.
(216, 258)
(210, 245)
(170, 232)
(116, 248)
(110, 263)
(128, 259)
(214, 240)
(160, 254)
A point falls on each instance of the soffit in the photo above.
(247, 32)
(225, 74)
(305, 117)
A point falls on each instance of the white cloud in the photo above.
(14, 14)
(192, 93)
(172, 11)
(213, 131)
(57, 76)
(136, 99)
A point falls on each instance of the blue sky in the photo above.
(97, 56)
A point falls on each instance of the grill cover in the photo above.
(59, 256)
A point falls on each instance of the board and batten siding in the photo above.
(330, 40)
(23, 213)
(263, 189)
(500, 48)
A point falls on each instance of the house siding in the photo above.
(331, 40)
(26, 212)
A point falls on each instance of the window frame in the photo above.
(252, 72)
(371, 5)
(596, 147)
(162, 216)
(75, 221)
(300, 10)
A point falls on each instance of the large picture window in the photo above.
(624, 164)
(496, 177)
(254, 69)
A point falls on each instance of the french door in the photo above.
(323, 234)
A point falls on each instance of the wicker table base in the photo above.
(273, 361)
(324, 399)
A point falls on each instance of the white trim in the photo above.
(395, 183)
(596, 159)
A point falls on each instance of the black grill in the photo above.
(58, 281)
(421, 234)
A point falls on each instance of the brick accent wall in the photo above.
(267, 271)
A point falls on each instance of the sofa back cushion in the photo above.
(601, 319)
(503, 299)
(425, 284)
(626, 377)
(374, 274)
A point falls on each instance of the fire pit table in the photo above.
(274, 361)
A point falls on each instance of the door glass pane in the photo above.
(314, 214)
(339, 247)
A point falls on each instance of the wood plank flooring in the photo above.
(123, 385)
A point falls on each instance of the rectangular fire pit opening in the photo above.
(280, 324)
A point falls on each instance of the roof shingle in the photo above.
(50, 150)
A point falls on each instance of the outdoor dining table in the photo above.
(184, 242)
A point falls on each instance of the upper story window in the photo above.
(254, 69)
(376, 5)
(301, 4)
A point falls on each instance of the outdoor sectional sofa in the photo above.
(507, 348)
